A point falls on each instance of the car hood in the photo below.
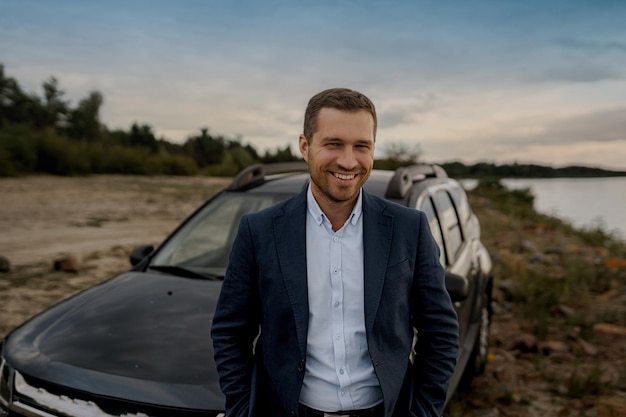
(139, 336)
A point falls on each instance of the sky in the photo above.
(498, 81)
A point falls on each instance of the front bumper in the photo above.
(21, 398)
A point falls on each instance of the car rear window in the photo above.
(435, 228)
(449, 222)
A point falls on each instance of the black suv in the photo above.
(139, 343)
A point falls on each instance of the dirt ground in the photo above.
(98, 220)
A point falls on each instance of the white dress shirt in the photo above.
(339, 374)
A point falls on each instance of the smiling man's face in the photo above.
(340, 155)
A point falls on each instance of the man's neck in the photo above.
(337, 212)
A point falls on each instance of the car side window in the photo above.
(462, 205)
(435, 228)
(449, 222)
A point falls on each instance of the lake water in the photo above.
(584, 202)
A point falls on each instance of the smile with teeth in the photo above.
(344, 176)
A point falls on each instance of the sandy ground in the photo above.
(97, 219)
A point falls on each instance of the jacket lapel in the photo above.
(377, 234)
(290, 237)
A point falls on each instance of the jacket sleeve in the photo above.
(436, 323)
(236, 324)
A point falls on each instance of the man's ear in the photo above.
(304, 147)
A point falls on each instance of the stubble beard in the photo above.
(327, 193)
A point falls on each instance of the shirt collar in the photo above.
(318, 214)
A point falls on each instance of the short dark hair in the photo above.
(336, 98)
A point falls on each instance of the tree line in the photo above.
(47, 134)
(515, 170)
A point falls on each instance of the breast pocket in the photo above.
(399, 270)
(396, 299)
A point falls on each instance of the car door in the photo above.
(456, 257)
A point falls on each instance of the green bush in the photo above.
(233, 161)
(518, 202)
(122, 160)
(175, 165)
(6, 164)
(19, 149)
(58, 155)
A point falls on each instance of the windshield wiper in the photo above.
(179, 270)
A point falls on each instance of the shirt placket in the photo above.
(338, 327)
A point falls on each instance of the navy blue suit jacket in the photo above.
(265, 294)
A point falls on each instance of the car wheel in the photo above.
(478, 358)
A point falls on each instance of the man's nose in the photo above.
(347, 160)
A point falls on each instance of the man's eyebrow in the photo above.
(365, 142)
(338, 139)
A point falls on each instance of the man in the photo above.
(336, 280)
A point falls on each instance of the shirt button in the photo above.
(335, 238)
(341, 371)
(343, 393)
(337, 303)
(338, 337)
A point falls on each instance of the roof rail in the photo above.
(258, 173)
(404, 177)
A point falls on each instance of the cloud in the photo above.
(589, 46)
(591, 138)
(577, 60)
(597, 126)
(582, 73)
(393, 112)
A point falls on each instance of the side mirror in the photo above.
(139, 253)
(457, 286)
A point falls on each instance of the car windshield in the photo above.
(202, 245)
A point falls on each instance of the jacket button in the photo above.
(300, 366)
(293, 413)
